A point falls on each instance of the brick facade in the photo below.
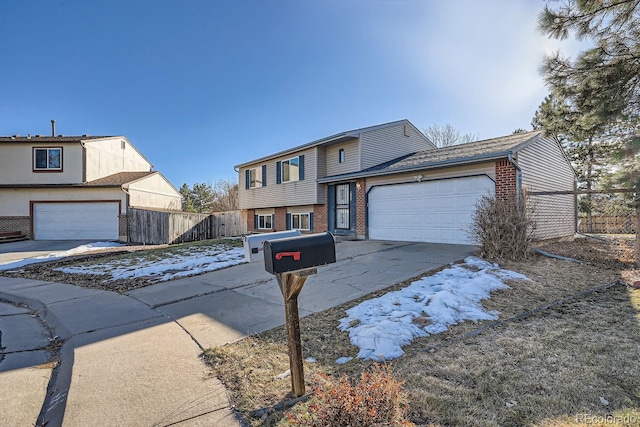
(251, 220)
(506, 179)
(320, 218)
(16, 223)
(361, 208)
(122, 225)
(280, 219)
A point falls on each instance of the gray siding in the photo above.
(381, 145)
(545, 168)
(287, 193)
(351, 158)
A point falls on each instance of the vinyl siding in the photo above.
(295, 193)
(381, 145)
(544, 168)
(321, 162)
(480, 169)
(351, 158)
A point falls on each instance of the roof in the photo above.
(472, 152)
(49, 139)
(115, 180)
(338, 137)
(119, 179)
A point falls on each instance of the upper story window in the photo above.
(291, 169)
(47, 159)
(256, 177)
(341, 155)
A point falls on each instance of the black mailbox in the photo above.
(299, 253)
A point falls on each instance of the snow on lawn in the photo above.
(172, 264)
(58, 255)
(381, 326)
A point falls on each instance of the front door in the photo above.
(343, 202)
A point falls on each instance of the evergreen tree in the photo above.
(187, 202)
(603, 83)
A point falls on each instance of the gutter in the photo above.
(424, 166)
(518, 175)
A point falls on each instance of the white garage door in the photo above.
(76, 221)
(433, 211)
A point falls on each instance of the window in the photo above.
(255, 178)
(265, 222)
(341, 155)
(300, 221)
(47, 159)
(291, 170)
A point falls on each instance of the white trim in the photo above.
(300, 214)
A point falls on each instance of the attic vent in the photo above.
(406, 130)
(122, 144)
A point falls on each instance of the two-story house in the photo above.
(76, 187)
(389, 182)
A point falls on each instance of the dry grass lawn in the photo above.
(574, 363)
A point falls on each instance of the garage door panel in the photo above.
(76, 221)
(432, 211)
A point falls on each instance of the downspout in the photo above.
(518, 175)
(126, 192)
(84, 161)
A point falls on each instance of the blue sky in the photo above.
(201, 85)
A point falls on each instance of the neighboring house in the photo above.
(389, 182)
(76, 187)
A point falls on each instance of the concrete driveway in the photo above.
(14, 251)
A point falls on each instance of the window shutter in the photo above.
(301, 166)
(311, 221)
(264, 175)
(246, 179)
(273, 221)
(255, 222)
(278, 172)
(288, 221)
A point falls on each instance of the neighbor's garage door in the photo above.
(432, 211)
(76, 221)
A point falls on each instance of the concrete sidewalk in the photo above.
(133, 359)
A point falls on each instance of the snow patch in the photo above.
(380, 327)
(53, 256)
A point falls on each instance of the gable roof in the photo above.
(48, 139)
(119, 179)
(455, 155)
(338, 137)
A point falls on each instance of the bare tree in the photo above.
(447, 135)
(225, 196)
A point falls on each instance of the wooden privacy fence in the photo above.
(608, 224)
(167, 227)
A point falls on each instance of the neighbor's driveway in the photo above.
(14, 251)
(226, 305)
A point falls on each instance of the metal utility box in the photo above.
(299, 253)
(254, 243)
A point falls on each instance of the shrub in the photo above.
(376, 400)
(503, 228)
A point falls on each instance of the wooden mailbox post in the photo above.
(292, 260)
